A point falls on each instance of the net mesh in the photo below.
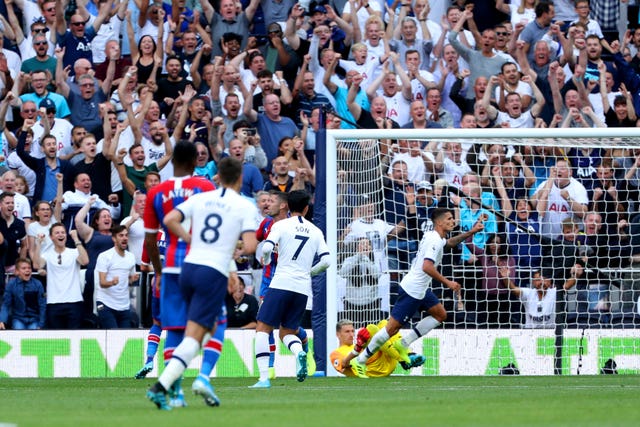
(557, 252)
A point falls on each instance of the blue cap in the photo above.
(48, 104)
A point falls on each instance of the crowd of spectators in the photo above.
(95, 93)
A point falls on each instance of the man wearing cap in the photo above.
(60, 128)
(228, 21)
(40, 80)
(38, 27)
(40, 60)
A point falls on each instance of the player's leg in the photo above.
(204, 289)
(304, 339)
(153, 338)
(211, 353)
(268, 318)
(262, 347)
(294, 305)
(437, 315)
(402, 311)
(272, 355)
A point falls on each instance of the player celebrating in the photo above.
(415, 291)
(218, 219)
(298, 242)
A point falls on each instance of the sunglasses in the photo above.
(501, 33)
(40, 43)
(59, 259)
(51, 9)
(40, 30)
(29, 111)
(51, 110)
(78, 24)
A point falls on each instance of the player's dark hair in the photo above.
(117, 229)
(229, 170)
(439, 213)
(298, 200)
(185, 155)
(282, 196)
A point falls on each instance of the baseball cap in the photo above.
(48, 104)
(424, 185)
(319, 8)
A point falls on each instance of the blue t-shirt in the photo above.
(76, 47)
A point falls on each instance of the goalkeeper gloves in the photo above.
(362, 339)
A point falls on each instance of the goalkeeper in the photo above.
(382, 363)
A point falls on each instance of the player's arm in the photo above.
(249, 242)
(173, 221)
(456, 240)
(324, 262)
(151, 244)
(429, 268)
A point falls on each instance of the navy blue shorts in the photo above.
(173, 307)
(204, 289)
(282, 308)
(406, 305)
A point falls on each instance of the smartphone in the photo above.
(250, 131)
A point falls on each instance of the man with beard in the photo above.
(39, 82)
(41, 60)
(267, 85)
(170, 87)
(48, 124)
(305, 95)
(190, 124)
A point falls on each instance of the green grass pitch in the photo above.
(395, 401)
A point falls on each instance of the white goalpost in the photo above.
(562, 214)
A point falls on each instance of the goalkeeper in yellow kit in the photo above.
(382, 363)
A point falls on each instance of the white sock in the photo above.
(422, 328)
(293, 343)
(182, 356)
(262, 354)
(374, 344)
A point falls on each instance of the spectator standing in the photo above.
(116, 271)
(24, 300)
(64, 291)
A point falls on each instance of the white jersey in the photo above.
(298, 242)
(559, 209)
(416, 282)
(218, 219)
(525, 120)
(376, 231)
(539, 314)
(397, 107)
(453, 172)
(61, 130)
(115, 265)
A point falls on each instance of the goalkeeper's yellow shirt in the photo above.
(380, 364)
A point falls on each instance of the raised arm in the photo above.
(168, 149)
(84, 231)
(247, 108)
(61, 74)
(290, 29)
(536, 109)
(250, 11)
(486, 98)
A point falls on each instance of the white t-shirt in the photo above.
(63, 279)
(61, 130)
(539, 313)
(36, 228)
(218, 219)
(558, 208)
(115, 265)
(362, 13)
(298, 242)
(21, 206)
(376, 231)
(398, 107)
(416, 282)
(453, 172)
(525, 120)
(136, 238)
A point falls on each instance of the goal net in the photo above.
(550, 286)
